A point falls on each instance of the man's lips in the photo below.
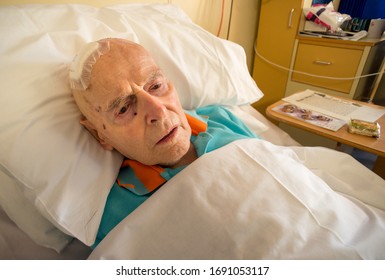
(168, 136)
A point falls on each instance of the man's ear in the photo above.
(92, 129)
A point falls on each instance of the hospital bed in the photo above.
(266, 198)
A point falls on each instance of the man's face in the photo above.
(134, 108)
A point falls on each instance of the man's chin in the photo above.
(177, 156)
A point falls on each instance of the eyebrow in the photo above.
(155, 74)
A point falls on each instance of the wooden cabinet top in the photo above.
(319, 40)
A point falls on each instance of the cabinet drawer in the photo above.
(326, 61)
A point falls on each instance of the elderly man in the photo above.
(129, 105)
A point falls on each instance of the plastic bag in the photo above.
(326, 16)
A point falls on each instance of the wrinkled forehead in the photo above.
(123, 62)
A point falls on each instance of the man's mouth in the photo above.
(169, 136)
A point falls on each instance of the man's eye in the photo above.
(123, 110)
(156, 86)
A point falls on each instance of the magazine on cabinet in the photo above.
(309, 116)
(327, 111)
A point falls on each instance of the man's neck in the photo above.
(188, 158)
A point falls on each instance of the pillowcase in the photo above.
(59, 166)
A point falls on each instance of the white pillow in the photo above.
(62, 169)
(27, 218)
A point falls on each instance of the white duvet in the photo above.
(255, 200)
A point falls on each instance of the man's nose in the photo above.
(154, 110)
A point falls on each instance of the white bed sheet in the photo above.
(252, 199)
(15, 244)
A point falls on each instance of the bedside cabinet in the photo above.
(327, 60)
(331, 65)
